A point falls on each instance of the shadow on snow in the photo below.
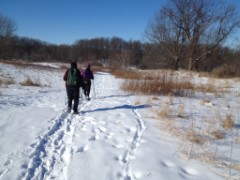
(126, 106)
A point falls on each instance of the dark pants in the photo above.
(73, 95)
(86, 87)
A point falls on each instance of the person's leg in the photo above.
(70, 98)
(76, 100)
(85, 88)
(88, 88)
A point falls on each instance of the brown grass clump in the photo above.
(228, 122)
(208, 88)
(158, 87)
(218, 134)
(6, 81)
(30, 82)
(164, 112)
(181, 113)
(128, 74)
(227, 71)
(164, 83)
(197, 139)
(23, 64)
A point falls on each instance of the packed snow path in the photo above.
(74, 139)
(108, 128)
(108, 139)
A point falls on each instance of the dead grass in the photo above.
(166, 83)
(128, 74)
(6, 81)
(228, 122)
(195, 138)
(24, 64)
(165, 112)
(227, 71)
(217, 134)
(158, 87)
(30, 82)
(181, 113)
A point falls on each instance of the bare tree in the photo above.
(183, 27)
(167, 36)
(7, 26)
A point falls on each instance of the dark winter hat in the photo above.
(73, 64)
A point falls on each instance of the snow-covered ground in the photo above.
(116, 135)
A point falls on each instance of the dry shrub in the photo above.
(165, 112)
(137, 103)
(181, 113)
(217, 134)
(23, 64)
(128, 74)
(227, 71)
(238, 140)
(196, 139)
(30, 82)
(155, 98)
(228, 122)
(98, 68)
(158, 87)
(208, 88)
(6, 81)
(161, 84)
(166, 122)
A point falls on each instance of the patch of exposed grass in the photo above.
(128, 74)
(227, 71)
(30, 82)
(218, 134)
(195, 138)
(6, 81)
(25, 64)
(158, 87)
(228, 122)
(166, 83)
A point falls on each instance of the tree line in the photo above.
(187, 34)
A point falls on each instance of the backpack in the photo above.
(72, 77)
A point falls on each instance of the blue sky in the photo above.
(65, 21)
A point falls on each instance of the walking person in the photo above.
(73, 80)
(87, 77)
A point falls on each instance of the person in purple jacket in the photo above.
(87, 76)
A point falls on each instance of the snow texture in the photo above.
(112, 137)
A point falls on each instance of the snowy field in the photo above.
(116, 135)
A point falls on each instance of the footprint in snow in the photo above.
(168, 164)
(84, 148)
(130, 129)
(94, 138)
(189, 171)
(9, 161)
(102, 129)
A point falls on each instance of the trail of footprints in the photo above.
(51, 154)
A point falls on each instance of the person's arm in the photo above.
(65, 76)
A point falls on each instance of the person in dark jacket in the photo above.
(73, 80)
(87, 77)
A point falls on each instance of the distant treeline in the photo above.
(112, 51)
(109, 50)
